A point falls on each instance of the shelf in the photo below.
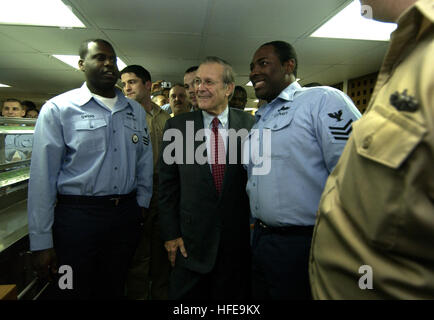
(10, 177)
(13, 224)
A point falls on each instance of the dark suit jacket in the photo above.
(191, 208)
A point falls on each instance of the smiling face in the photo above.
(13, 109)
(268, 75)
(134, 88)
(100, 69)
(212, 94)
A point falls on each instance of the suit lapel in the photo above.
(235, 123)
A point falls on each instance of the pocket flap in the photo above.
(90, 124)
(387, 137)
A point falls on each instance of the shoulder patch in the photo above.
(343, 132)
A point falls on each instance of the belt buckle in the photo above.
(116, 200)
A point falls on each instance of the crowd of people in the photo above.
(150, 198)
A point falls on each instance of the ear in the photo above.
(289, 66)
(81, 64)
(230, 89)
(148, 85)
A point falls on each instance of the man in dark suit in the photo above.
(204, 215)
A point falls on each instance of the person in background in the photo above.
(12, 108)
(92, 157)
(178, 100)
(377, 210)
(189, 76)
(239, 99)
(149, 272)
(31, 111)
(159, 99)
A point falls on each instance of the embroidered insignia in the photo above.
(283, 108)
(135, 138)
(342, 133)
(404, 102)
(145, 140)
(336, 115)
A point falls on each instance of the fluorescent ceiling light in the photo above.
(73, 61)
(53, 13)
(249, 84)
(4, 85)
(349, 24)
(256, 100)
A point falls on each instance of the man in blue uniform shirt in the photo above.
(91, 171)
(301, 134)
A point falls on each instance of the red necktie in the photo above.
(218, 158)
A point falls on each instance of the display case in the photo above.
(16, 141)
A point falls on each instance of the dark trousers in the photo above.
(229, 279)
(148, 276)
(280, 261)
(98, 242)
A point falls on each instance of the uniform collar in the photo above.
(287, 94)
(85, 96)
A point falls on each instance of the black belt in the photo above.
(306, 230)
(105, 201)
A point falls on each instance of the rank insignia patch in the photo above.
(404, 102)
(342, 133)
(336, 115)
(145, 140)
(135, 138)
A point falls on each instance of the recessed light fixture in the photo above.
(4, 85)
(52, 13)
(249, 84)
(73, 61)
(349, 24)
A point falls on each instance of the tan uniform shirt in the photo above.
(156, 122)
(377, 209)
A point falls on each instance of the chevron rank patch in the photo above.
(341, 132)
(145, 140)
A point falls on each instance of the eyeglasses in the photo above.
(207, 83)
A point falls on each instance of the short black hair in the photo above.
(85, 44)
(29, 105)
(241, 89)
(139, 71)
(285, 52)
(191, 69)
(12, 100)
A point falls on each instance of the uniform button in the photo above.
(254, 184)
(116, 149)
(367, 142)
(114, 131)
(115, 187)
(116, 168)
(275, 126)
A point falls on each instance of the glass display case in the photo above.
(16, 141)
